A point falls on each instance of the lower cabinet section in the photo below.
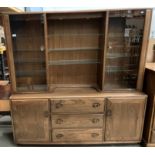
(30, 121)
(59, 121)
(125, 117)
(77, 135)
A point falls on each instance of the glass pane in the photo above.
(28, 51)
(124, 47)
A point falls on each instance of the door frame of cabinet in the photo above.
(48, 122)
(108, 113)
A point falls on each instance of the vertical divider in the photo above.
(46, 50)
(106, 24)
(142, 60)
(9, 51)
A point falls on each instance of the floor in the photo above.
(6, 136)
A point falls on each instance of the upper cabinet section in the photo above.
(100, 50)
(27, 32)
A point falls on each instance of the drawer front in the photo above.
(75, 121)
(77, 135)
(153, 137)
(91, 105)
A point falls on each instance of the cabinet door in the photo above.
(30, 120)
(124, 119)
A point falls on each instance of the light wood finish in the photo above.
(105, 47)
(4, 105)
(124, 119)
(88, 105)
(30, 121)
(78, 121)
(151, 51)
(46, 50)
(63, 62)
(150, 66)
(9, 52)
(61, 93)
(5, 92)
(146, 34)
(77, 135)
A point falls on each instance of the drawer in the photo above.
(77, 135)
(88, 105)
(74, 121)
(153, 137)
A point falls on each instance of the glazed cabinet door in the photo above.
(124, 118)
(30, 120)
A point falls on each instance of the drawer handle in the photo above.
(95, 105)
(95, 120)
(94, 135)
(59, 136)
(46, 113)
(59, 121)
(58, 105)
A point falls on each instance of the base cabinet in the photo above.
(78, 120)
(30, 120)
(124, 119)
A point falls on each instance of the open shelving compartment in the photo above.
(75, 49)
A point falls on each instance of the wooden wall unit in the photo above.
(62, 67)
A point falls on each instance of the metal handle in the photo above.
(58, 105)
(108, 112)
(95, 120)
(59, 136)
(59, 121)
(95, 105)
(94, 135)
(46, 113)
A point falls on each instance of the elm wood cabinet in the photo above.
(69, 62)
(149, 89)
(30, 120)
(102, 119)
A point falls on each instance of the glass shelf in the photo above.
(75, 34)
(73, 49)
(30, 61)
(73, 62)
(30, 73)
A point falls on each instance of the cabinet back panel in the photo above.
(73, 51)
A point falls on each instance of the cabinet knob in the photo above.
(94, 135)
(108, 112)
(58, 105)
(95, 105)
(59, 121)
(59, 136)
(95, 120)
(46, 113)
